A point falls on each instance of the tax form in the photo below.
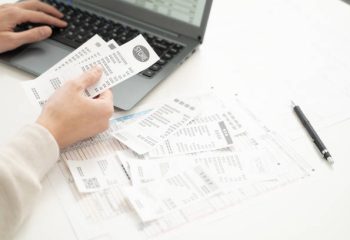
(96, 174)
(154, 200)
(118, 64)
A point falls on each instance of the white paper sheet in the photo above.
(205, 133)
(154, 200)
(118, 65)
(96, 174)
(230, 169)
(145, 134)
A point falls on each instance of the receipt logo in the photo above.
(141, 53)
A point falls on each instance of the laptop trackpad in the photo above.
(37, 58)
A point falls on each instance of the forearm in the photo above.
(23, 163)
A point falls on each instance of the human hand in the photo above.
(22, 12)
(70, 116)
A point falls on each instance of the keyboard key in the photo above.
(66, 41)
(178, 46)
(162, 62)
(173, 51)
(148, 73)
(168, 56)
(159, 45)
(155, 67)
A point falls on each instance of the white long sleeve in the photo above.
(24, 161)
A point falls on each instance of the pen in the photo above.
(313, 134)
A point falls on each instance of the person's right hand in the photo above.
(70, 116)
(22, 12)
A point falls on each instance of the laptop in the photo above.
(174, 28)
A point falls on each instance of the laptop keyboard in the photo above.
(82, 25)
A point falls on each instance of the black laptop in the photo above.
(174, 28)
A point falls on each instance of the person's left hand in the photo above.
(27, 11)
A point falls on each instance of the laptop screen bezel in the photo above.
(155, 19)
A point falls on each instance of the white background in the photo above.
(251, 47)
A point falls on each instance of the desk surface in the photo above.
(251, 46)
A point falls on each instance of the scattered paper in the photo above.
(230, 169)
(206, 133)
(258, 151)
(145, 134)
(153, 200)
(96, 174)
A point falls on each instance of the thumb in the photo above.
(90, 77)
(33, 35)
(106, 96)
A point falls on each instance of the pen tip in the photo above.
(293, 103)
(330, 160)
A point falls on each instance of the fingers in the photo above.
(16, 39)
(40, 6)
(89, 78)
(39, 17)
(106, 96)
(5, 5)
(105, 103)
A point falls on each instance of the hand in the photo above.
(26, 11)
(70, 116)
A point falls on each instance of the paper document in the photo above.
(145, 134)
(230, 169)
(118, 63)
(97, 174)
(259, 161)
(154, 200)
(205, 133)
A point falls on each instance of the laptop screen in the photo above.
(188, 11)
(181, 17)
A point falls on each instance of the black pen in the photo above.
(313, 134)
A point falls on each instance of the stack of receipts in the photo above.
(168, 167)
(184, 152)
(118, 62)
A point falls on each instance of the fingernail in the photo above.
(45, 31)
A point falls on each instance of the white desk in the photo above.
(250, 46)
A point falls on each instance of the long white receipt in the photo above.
(153, 200)
(118, 63)
(145, 134)
(205, 133)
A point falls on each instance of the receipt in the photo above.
(154, 200)
(142, 170)
(146, 133)
(93, 175)
(154, 170)
(110, 45)
(229, 169)
(205, 133)
(235, 169)
(93, 45)
(118, 63)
